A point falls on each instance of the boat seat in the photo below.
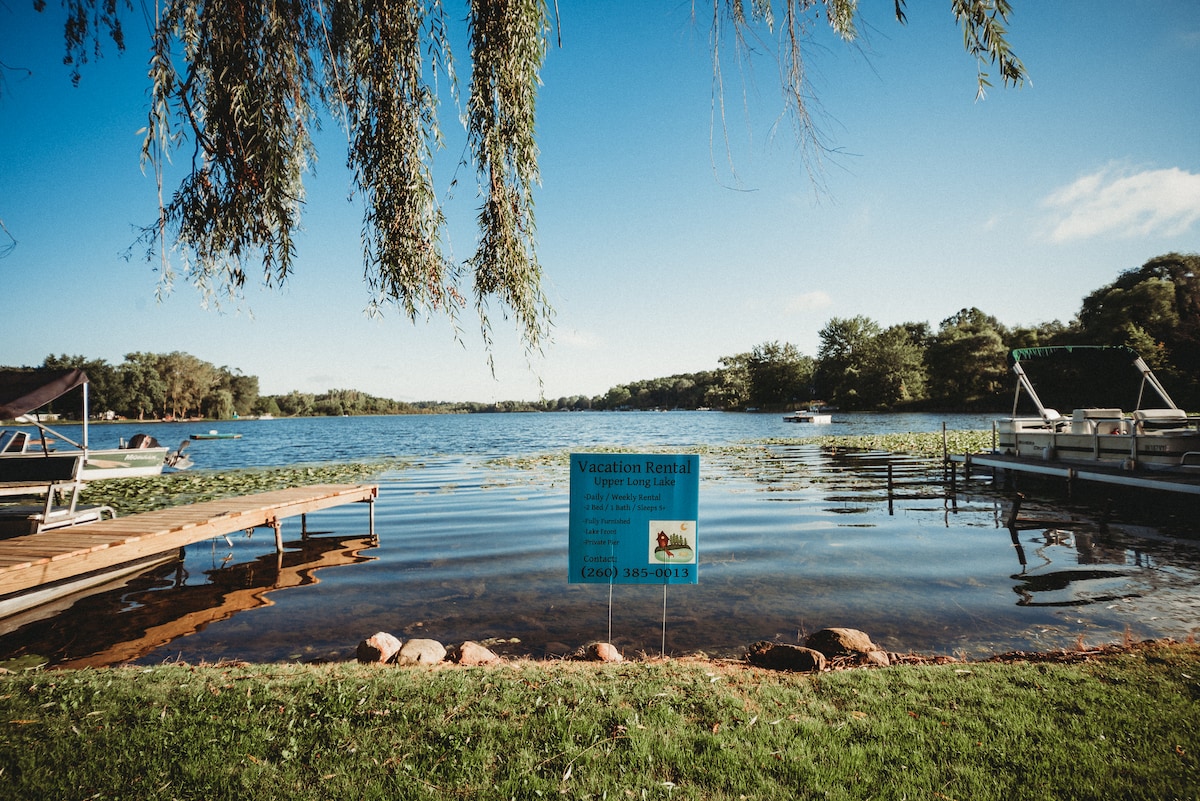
(1160, 419)
(55, 468)
(1092, 421)
(1161, 414)
(1097, 414)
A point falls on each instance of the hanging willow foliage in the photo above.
(244, 98)
(391, 114)
(238, 86)
(508, 44)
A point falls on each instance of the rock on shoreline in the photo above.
(827, 649)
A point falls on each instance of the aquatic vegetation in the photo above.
(145, 494)
(928, 443)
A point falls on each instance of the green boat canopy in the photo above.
(1059, 351)
(22, 391)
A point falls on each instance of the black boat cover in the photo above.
(22, 391)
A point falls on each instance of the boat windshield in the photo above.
(13, 441)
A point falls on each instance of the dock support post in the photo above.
(303, 526)
(371, 516)
(278, 526)
(1016, 511)
(945, 452)
(890, 487)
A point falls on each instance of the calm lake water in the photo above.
(473, 545)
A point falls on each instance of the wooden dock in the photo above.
(33, 567)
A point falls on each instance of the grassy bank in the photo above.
(1114, 725)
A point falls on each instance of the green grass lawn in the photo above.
(1119, 724)
(1116, 724)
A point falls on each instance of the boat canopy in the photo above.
(22, 391)
(1086, 376)
(1052, 351)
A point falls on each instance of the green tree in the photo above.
(844, 360)
(617, 397)
(1054, 332)
(297, 404)
(779, 375)
(893, 367)
(218, 404)
(968, 361)
(242, 388)
(266, 404)
(731, 388)
(1154, 309)
(145, 390)
(187, 381)
(239, 85)
(105, 392)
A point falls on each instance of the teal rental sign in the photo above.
(633, 518)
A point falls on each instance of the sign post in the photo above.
(633, 518)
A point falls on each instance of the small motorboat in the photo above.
(810, 416)
(23, 391)
(214, 434)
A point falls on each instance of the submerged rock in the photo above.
(557, 650)
(783, 656)
(380, 647)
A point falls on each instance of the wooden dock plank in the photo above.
(32, 560)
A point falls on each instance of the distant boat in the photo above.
(810, 416)
(214, 434)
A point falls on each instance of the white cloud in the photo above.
(808, 301)
(1114, 202)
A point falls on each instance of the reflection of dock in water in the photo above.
(38, 568)
(157, 607)
(1100, 569)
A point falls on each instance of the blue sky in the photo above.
(663, 248)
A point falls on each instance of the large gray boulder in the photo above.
(421, 652)
(380, 647)
(600, 652)
(471, 653)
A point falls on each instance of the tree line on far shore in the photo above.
(962, 365)
(179, 386)
(860, 365)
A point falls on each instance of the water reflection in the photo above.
(1078, 562)
(167, 601)
(1069, 554)
(792, 538)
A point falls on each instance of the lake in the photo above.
(472, 544)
